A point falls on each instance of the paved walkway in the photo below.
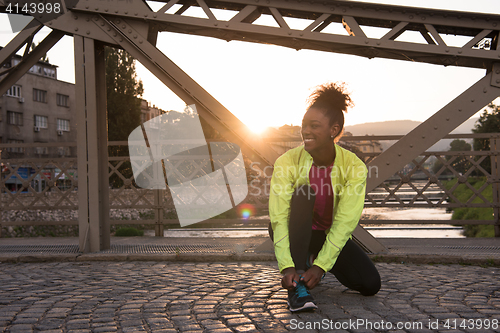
(154, 296)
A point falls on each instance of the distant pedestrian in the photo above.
(316, 200)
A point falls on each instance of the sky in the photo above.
(266, 85)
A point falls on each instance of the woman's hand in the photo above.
(290, 278)
(312, 276)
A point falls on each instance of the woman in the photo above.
(317, 196)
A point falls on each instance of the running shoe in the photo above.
(300, 299)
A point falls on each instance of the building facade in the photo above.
(38, 109)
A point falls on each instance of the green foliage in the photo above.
(488, 122)
(460, 164)
(463, 193)
(128, 231)
(123, 90)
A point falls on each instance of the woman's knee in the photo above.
(371, 285)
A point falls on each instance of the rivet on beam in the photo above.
(154, 15)
(76, 29)
(75, 17)
(129, 30)
(435, 127)
(388, 163)
(88, 32)
(472, 100)
(485, 90)
(447, 119)
(118, 21)
(411, 146)
(136, 14)
(106, 10)
(86, 7)
(126, 12)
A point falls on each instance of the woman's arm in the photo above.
(279, 209)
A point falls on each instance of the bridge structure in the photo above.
(134, 26)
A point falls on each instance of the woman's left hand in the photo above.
(312, 276)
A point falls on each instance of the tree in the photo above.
(488, 122)
(123, 90)
(460, 164)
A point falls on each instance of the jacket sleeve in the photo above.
(346, 214)
(279, 210)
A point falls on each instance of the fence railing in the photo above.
(29, 185)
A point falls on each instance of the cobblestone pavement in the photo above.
(239, 297)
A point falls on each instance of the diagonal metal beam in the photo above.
(187, 89)
(31, 59)
(435, 128)
(19, 41)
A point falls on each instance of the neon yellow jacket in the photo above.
(291, 170)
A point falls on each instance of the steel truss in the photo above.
(134, 27)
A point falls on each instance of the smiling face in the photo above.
(317, 132)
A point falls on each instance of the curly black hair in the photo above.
(333, 99)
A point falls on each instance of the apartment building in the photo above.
(38, 109)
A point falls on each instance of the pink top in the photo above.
(321, 181)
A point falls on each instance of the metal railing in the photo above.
(34, 184)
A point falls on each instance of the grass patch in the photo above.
(129, 231)
(463, 193)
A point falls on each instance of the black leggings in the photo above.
(353, 268)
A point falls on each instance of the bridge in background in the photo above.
(134, 26)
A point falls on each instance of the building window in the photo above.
(36, 69)
(15, 149)
(63, 151)
(63, 125)
(50, 72)
(62, 100)
(41, 121)
(14, 91)
(15, 118)
(42, 150)
(39, 95)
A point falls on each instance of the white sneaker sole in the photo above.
(307, 306)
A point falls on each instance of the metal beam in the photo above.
(187, 89)
(31, 59)
(353, 15)
(435, 128)
(93, 181)
(19, 41)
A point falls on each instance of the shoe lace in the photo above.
(301, 290)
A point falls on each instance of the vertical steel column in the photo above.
(93, 183)
(158, 196)
(495, 174)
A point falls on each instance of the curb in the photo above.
(243, 257)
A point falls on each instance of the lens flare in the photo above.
(246, 210)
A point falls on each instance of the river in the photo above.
(377, 230)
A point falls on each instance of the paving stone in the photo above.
(228, 297)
